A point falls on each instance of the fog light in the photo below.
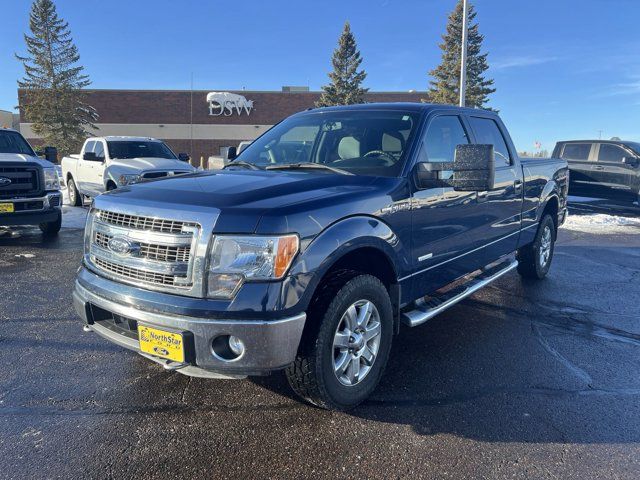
(227, 348)
(236, 345)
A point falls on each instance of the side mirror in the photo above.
(184, 157)
(230, 154)
(51, 154)
(90, 156)
(631, 161)
(473, 168)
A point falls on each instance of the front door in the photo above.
(609, 169)
(446, 224)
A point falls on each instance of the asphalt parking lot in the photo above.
(521, 380)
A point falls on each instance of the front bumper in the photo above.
(269, 344)
(51, 209)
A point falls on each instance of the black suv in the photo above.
(608, 163)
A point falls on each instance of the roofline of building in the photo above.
(398, 92)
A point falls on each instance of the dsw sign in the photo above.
(225, 103)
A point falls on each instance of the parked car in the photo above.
(608, 163)
(308, 251)
(106, 163)
(29, 186)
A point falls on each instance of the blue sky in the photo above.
(563, 68)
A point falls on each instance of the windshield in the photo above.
(130, 149)
(12, 142)
(365, 142)
(634, 146)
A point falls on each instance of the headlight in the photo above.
(129, 179)
(51, 181)
(235, 259)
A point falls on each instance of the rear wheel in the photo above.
(341, 363)
(52, 228)
(534, 260)
(75, 197)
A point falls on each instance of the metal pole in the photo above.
(463, 62)
(191, 120)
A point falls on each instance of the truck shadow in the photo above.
(516, 363)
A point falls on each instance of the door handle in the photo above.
(598, 167)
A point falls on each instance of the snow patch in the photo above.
(25, 255)
(72, 217)
(602, 224)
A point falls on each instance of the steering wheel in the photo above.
(387, 157)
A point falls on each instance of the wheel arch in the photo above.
(366, 245)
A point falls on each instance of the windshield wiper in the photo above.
(240, 163)
(303, 165)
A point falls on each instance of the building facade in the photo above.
(200, 122)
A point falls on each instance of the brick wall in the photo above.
(160, 107)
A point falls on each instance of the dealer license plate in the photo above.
(6, 208)
(160, 343)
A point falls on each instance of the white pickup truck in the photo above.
(106, 163)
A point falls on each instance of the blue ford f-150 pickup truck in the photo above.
(309, 250)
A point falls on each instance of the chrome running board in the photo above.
(428, 307)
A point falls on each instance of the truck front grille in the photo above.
(134, 273)
(142, 223)
(24, 181)
(163, 253)
(143, 250)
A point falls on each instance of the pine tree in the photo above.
(445, 84)
(345, 87)
(54, 101)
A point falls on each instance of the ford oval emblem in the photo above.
(4, 181)
(120, 245)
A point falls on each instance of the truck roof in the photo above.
(117, 138)
(410, 106)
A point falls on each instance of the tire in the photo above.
(51, 229)
(75, 197)
(335, 316)
(534, 260)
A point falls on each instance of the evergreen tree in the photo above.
(345, 87)
(54, 101)
(445, 83)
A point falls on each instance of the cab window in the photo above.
(576, 151)
(611, 153)
(488, 133)
(443, 136)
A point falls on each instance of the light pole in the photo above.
(463, 63)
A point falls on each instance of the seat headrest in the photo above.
(349, 147)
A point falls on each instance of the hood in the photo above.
(149, 164)
(244, 196)
(18, 157)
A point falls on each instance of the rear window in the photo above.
(576, 151)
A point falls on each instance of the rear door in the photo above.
(501, 208)
(609, 169)
(579, 158)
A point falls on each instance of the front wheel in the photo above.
(339, 366)
(534, 260)
(75, 197)
(52, 228)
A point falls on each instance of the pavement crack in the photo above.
(580, 373)
(184, 390)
